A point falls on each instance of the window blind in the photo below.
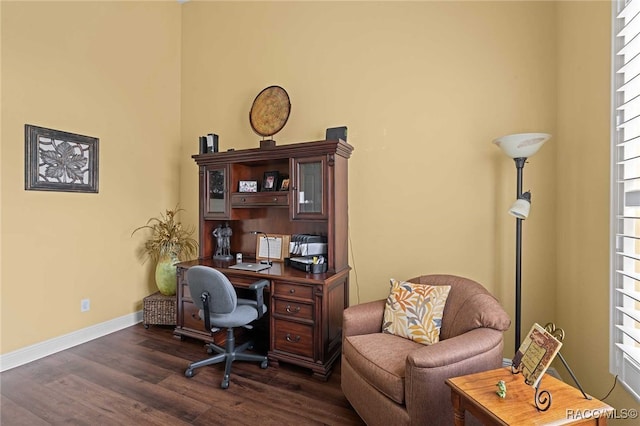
(625, 200)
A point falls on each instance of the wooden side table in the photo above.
(476, 393)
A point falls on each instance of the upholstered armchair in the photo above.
(391, 380)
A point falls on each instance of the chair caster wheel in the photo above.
(224, 384)
(264, 364)
(189, 372)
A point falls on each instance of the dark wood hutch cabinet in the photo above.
(305, 310)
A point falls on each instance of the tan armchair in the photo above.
(391, 380)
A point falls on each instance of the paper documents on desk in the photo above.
(535, 354)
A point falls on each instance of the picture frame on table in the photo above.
(248, 186)
(270, 181)
(272, 247)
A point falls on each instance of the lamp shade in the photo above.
(520, 209)
(522, 145)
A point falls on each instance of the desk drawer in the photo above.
(293, 309)
(191, 317)
(293, 337)
(293, 290)
(260, 199)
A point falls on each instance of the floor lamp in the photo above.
(520, 147)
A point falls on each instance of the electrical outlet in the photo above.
(85, 305)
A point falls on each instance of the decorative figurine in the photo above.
(226, 240)
(222, 234)
(502, 389)
(217, 234)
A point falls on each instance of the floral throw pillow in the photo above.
(414, 311)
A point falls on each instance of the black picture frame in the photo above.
(56, 160)
(270, 181)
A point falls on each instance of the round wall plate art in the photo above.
(269, 113)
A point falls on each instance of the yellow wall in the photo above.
(107, 70)
(424, 88)
(583, 190)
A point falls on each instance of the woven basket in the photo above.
(159, 309)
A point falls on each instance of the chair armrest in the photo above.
(365, 318)
(459, 349)
(426, 393)
(258, 287)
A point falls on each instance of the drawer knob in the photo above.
(292, 311)
(292, 339)
(293, 290)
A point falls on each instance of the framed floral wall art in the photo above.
(60, 161)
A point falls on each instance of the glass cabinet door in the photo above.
(216, 202)
(309, 200)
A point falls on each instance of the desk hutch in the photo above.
(305, 310)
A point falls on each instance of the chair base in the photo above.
(228, 354)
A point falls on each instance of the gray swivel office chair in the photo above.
(213, 293)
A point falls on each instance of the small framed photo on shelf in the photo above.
(248, 186)
(270, 181)
(284, 185)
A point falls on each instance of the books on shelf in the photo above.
(535, 354)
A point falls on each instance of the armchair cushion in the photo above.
(380, 359)
(414, 311)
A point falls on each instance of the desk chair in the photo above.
(213, 293)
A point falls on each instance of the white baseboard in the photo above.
(506, 362)
(48, 347)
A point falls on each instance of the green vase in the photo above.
(166, 275)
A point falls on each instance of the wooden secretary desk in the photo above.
(304, 321)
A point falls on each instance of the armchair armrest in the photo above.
(365, 318)
(258, 287)
(426, 393)
(460, 349)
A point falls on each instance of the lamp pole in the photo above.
(519, 169)
(266, 237)
(519, 147)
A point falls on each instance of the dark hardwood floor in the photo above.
(136, 377)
